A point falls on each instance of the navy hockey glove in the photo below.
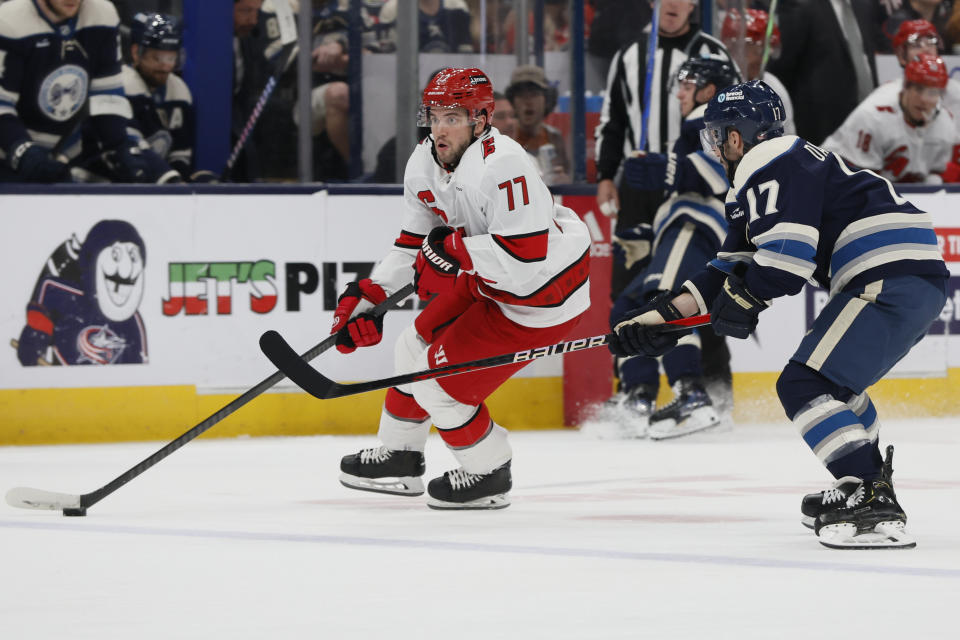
(641, 331)
(362, 329)
(652, 171)
(129, 164)
(33, 163)
(735, 311)
(632, 246)
(441, 257)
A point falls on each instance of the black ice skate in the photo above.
(870, 518)
(815, 503)
(458, 489)
(690, 410)
(384, 471)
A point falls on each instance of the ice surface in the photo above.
(691, 538)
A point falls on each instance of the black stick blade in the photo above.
(284, 358)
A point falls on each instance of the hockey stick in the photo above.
(283, 356)
(288, 36)
(648, 81)
(771, 16)
(77, 505)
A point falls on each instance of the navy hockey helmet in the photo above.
(703, 71)
(156, 31)
(752, 108)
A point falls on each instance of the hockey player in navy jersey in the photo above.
(799, 213)
(163, 114)
(84, 306)
(59, 62)
(686, 232)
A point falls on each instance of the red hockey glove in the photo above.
(442, 255)
(363, 329)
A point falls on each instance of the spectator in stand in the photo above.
(936, 12)
(163, 114)
(908, 139)
(60, 67)
(330, 98)
(915, 37)
(504, 116)
(444, 26)
(754, 31)
(494, 35)
(556, 26)
(533, 99)
(824, 80)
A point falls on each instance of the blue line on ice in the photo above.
(442, 545)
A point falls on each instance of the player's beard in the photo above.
(452, 154)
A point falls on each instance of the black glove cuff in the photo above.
(435, 254)
(352, 291)
(663, 303)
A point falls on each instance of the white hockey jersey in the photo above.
(530, 255)
(876, 136)
(951, 97)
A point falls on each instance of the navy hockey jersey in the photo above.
(698, 194)
(798, 213)
(48, 71)
(164, 117)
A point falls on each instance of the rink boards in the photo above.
(224, 265)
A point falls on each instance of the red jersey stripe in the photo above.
(525, 247)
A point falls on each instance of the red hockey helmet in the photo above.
(912, 31)
(470, 89)
(926, 70)
(755, 29)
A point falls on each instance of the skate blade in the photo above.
(499, 501)
(700, 420)
(808, 521)
(404, 486)
(886, 535)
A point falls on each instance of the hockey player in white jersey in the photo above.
(510, 270)
(915, 37)
(908, 138)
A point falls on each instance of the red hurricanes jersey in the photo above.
(529, 255)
